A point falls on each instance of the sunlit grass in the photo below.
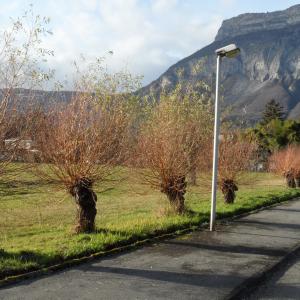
(37, 218)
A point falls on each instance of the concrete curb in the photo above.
(244, 290)
(118, 250)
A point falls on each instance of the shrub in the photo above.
(286, 162)
(170, 144)
(83, 141)
(235, 158)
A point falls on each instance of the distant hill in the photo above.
(268, 66)
(43, 98)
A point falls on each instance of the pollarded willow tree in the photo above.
(21, 57)
(170, 143)
(82, 142)
(236, 156)
(286, 162)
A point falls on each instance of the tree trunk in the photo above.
(228, 188)
(290, 180)
(297, 182)
(177, 202)
(85, 199)
(175, 188)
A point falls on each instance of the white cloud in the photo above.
(146, 36)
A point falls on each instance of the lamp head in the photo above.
(229, 51)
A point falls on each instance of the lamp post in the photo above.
(228, 51)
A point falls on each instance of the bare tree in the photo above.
(235, 157)
(286, 162)
(82, 141)
(21, 56)
(170, 143)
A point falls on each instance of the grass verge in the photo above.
(37, 219)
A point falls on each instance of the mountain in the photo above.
(268, 66)
(46, 99)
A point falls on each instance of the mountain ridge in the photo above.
(244, 23)
(268, 67)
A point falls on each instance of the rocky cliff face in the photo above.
(268, 66)
(248, 23)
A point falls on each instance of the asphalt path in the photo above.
(283, 284)
(200, 265)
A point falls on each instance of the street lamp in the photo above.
(228, 51)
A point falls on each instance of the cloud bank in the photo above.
(146, 36)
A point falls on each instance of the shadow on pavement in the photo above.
(208, 280)
(258, 234)
(264, 223)
(229, 248)
(285, 209)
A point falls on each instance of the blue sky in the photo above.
(146, 36)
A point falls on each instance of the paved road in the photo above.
(200, 265)
(284, 284)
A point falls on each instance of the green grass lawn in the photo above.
(37, 219)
